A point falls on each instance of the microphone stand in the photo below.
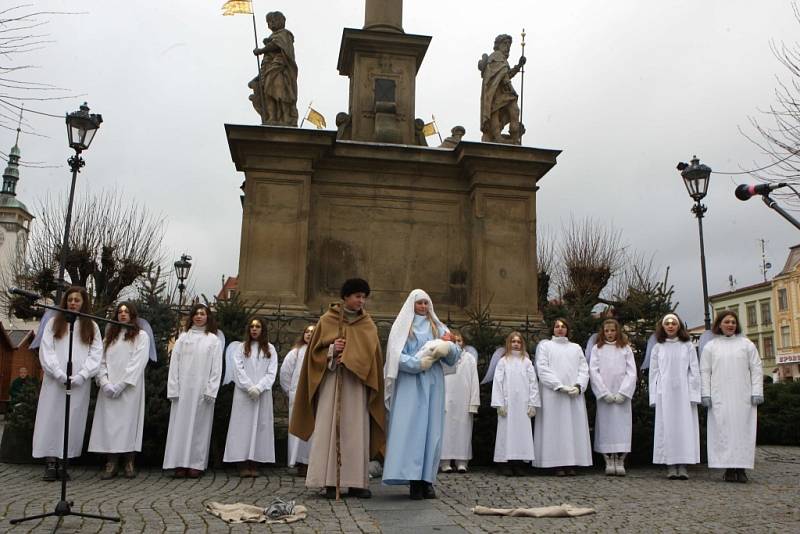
(64, 507)
(770, 202)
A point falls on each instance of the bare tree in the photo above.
(778, 131)
(545, 263)
(113, 244)
(591, 254)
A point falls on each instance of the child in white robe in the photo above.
(119, 413)
(195, 370)
(251, 430)
(561, 435)
(732, 386)
(612, 369)
(461, 403)
(674, 384)
(297, 449)
(515, 395)
(87, 350)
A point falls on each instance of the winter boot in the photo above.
(110, 470)
(611, 461)
(619, 464)
(130, 470)
(50, 471)
(672, 472)
(682, 473)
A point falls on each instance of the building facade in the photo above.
(754, 306)
(786, 298)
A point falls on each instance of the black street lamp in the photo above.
(81, 129)
(696, 177)
(182, 267)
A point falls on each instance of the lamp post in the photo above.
(696, 177)
(81, 128)
(182, 267)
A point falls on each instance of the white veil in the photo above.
(398, 337)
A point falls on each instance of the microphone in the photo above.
(25, 293)
(745, 192)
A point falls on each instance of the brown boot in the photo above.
(130, 470)
(302, 470)
(254, 469)
(110, 470)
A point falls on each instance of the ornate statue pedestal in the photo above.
(459, 222)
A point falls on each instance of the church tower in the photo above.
(15, 222)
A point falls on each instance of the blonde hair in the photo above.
(510, 337)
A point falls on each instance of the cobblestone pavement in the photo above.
(642, 501)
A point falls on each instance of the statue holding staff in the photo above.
(275, 88)
(499, 105)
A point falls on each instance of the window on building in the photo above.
(752, 314)
(786, 337)
(769, 349)
(766, 313)
(783, 300)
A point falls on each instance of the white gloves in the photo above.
(619, 398)
(706, 401)
(119, 388)
(426, 362)
(77, 380)
(610, 398)
(531, 411)
(209, 398)
(502, 411)
(172, 399)
(254, 392)
(755, 400)
(61, 377)
(572, 391)
(108, 390)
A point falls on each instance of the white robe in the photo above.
(675, 391)
(730, 373)
(515, 387)
(48, 430)
(461, 400)
(251, 431)
(297, 449)
(561, 429)
(118, 423)
(195, 370)
(612, 370)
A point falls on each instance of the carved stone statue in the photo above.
(498, 98)
(419, 133)
(275, 88)
(456, 133)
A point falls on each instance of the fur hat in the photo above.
(354, 285)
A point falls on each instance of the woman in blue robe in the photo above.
(419, 343)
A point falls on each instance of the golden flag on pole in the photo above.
(316, 118)
(236, 7)
(429, 129)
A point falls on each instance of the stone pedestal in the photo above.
(459, 223)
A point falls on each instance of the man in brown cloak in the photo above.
(341, 385)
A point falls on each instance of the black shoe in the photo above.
(330, 492)
(730, 475)
(741, 476)
(359, 493)
(415, 490)
(50, 472)
(427, 490)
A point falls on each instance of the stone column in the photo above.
(384, 15)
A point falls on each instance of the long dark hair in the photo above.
(263, 339)
(564, 322)
(622, 337)
(661, 334)
(112, 332)
(211, 323)
(300, 341)
(85, 326)
(717, 328)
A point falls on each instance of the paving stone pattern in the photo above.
(642, 501)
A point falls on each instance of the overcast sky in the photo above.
(625, 88)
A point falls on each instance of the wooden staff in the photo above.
(338, 394)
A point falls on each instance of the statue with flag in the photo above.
(275, 88)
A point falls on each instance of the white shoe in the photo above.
(445, 467)
(619, 465)
(672, 472)
(682, 474)
(461, 467)
(611, 460)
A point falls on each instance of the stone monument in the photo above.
(499, 100)
(365, 200)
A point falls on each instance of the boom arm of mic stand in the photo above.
(79, 314)
(770, 202)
